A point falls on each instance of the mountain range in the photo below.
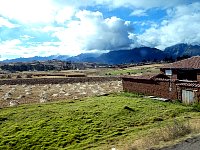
(180, 50)
(135, 55)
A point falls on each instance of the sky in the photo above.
(69, 27)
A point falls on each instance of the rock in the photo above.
(62, 92)
(20, 96)
(67, 94)
(54, 95)
(14, 103)
(43, 100)
(28, 93)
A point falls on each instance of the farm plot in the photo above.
(11, 95)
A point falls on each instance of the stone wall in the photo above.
(33, 81)
(198, 77)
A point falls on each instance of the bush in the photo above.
(18, 76)
(29, 76)
(3, 76)
(175, 130)
(9, 76)
(170, 132)
(196, 107)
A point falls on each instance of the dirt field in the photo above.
(21, 94)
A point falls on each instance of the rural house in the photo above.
(178, 80)
(187, 69)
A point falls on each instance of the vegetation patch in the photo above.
(90, 123)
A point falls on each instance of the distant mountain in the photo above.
(135, 55)
(182, 49)
(37, 58)
(86, 57)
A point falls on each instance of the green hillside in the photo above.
(91, 123)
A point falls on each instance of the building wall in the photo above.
(198, 77)
(174, 73)
(151, 87)
(197, 92)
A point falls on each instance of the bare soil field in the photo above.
(11, 95)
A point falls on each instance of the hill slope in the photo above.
(86, 124)
(183, 49)
(132, 56)
(37, 58)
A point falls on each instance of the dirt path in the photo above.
(188, 144)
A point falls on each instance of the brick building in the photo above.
(179, 80)
(187, 69)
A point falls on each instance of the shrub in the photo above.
(175, 130)
(18, 76)
(9, 76)
(170, 132)
(3, 76)
(196, 107)
(29, 76)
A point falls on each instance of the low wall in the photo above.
(57, 80)
(158, 88)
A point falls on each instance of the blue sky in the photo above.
(67, 27)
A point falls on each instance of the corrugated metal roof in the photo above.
(190, 63)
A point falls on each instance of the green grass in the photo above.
(126, 71)
(86, 124)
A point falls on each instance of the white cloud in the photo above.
(65, 14)
(46, 11)
(147, 4)
(35, 11)
(181, 27)
(91, 31)
(28, 11)
(14, 48)
(139, 13)
(6, 23)
(49, 11)
(78, 31)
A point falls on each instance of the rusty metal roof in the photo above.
(190, 63)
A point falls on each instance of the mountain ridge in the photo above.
(135, 55)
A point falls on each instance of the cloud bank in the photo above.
(181, 26)
(48, 27)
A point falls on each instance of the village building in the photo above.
(178, 80)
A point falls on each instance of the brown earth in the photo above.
(36, 93)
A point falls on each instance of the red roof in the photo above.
(190, 63)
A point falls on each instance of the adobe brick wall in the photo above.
(57, 80)
(198, 77)
(150, 87)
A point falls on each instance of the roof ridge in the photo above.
(192, 62)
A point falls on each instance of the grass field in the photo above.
(137, 70)
(90, 123)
